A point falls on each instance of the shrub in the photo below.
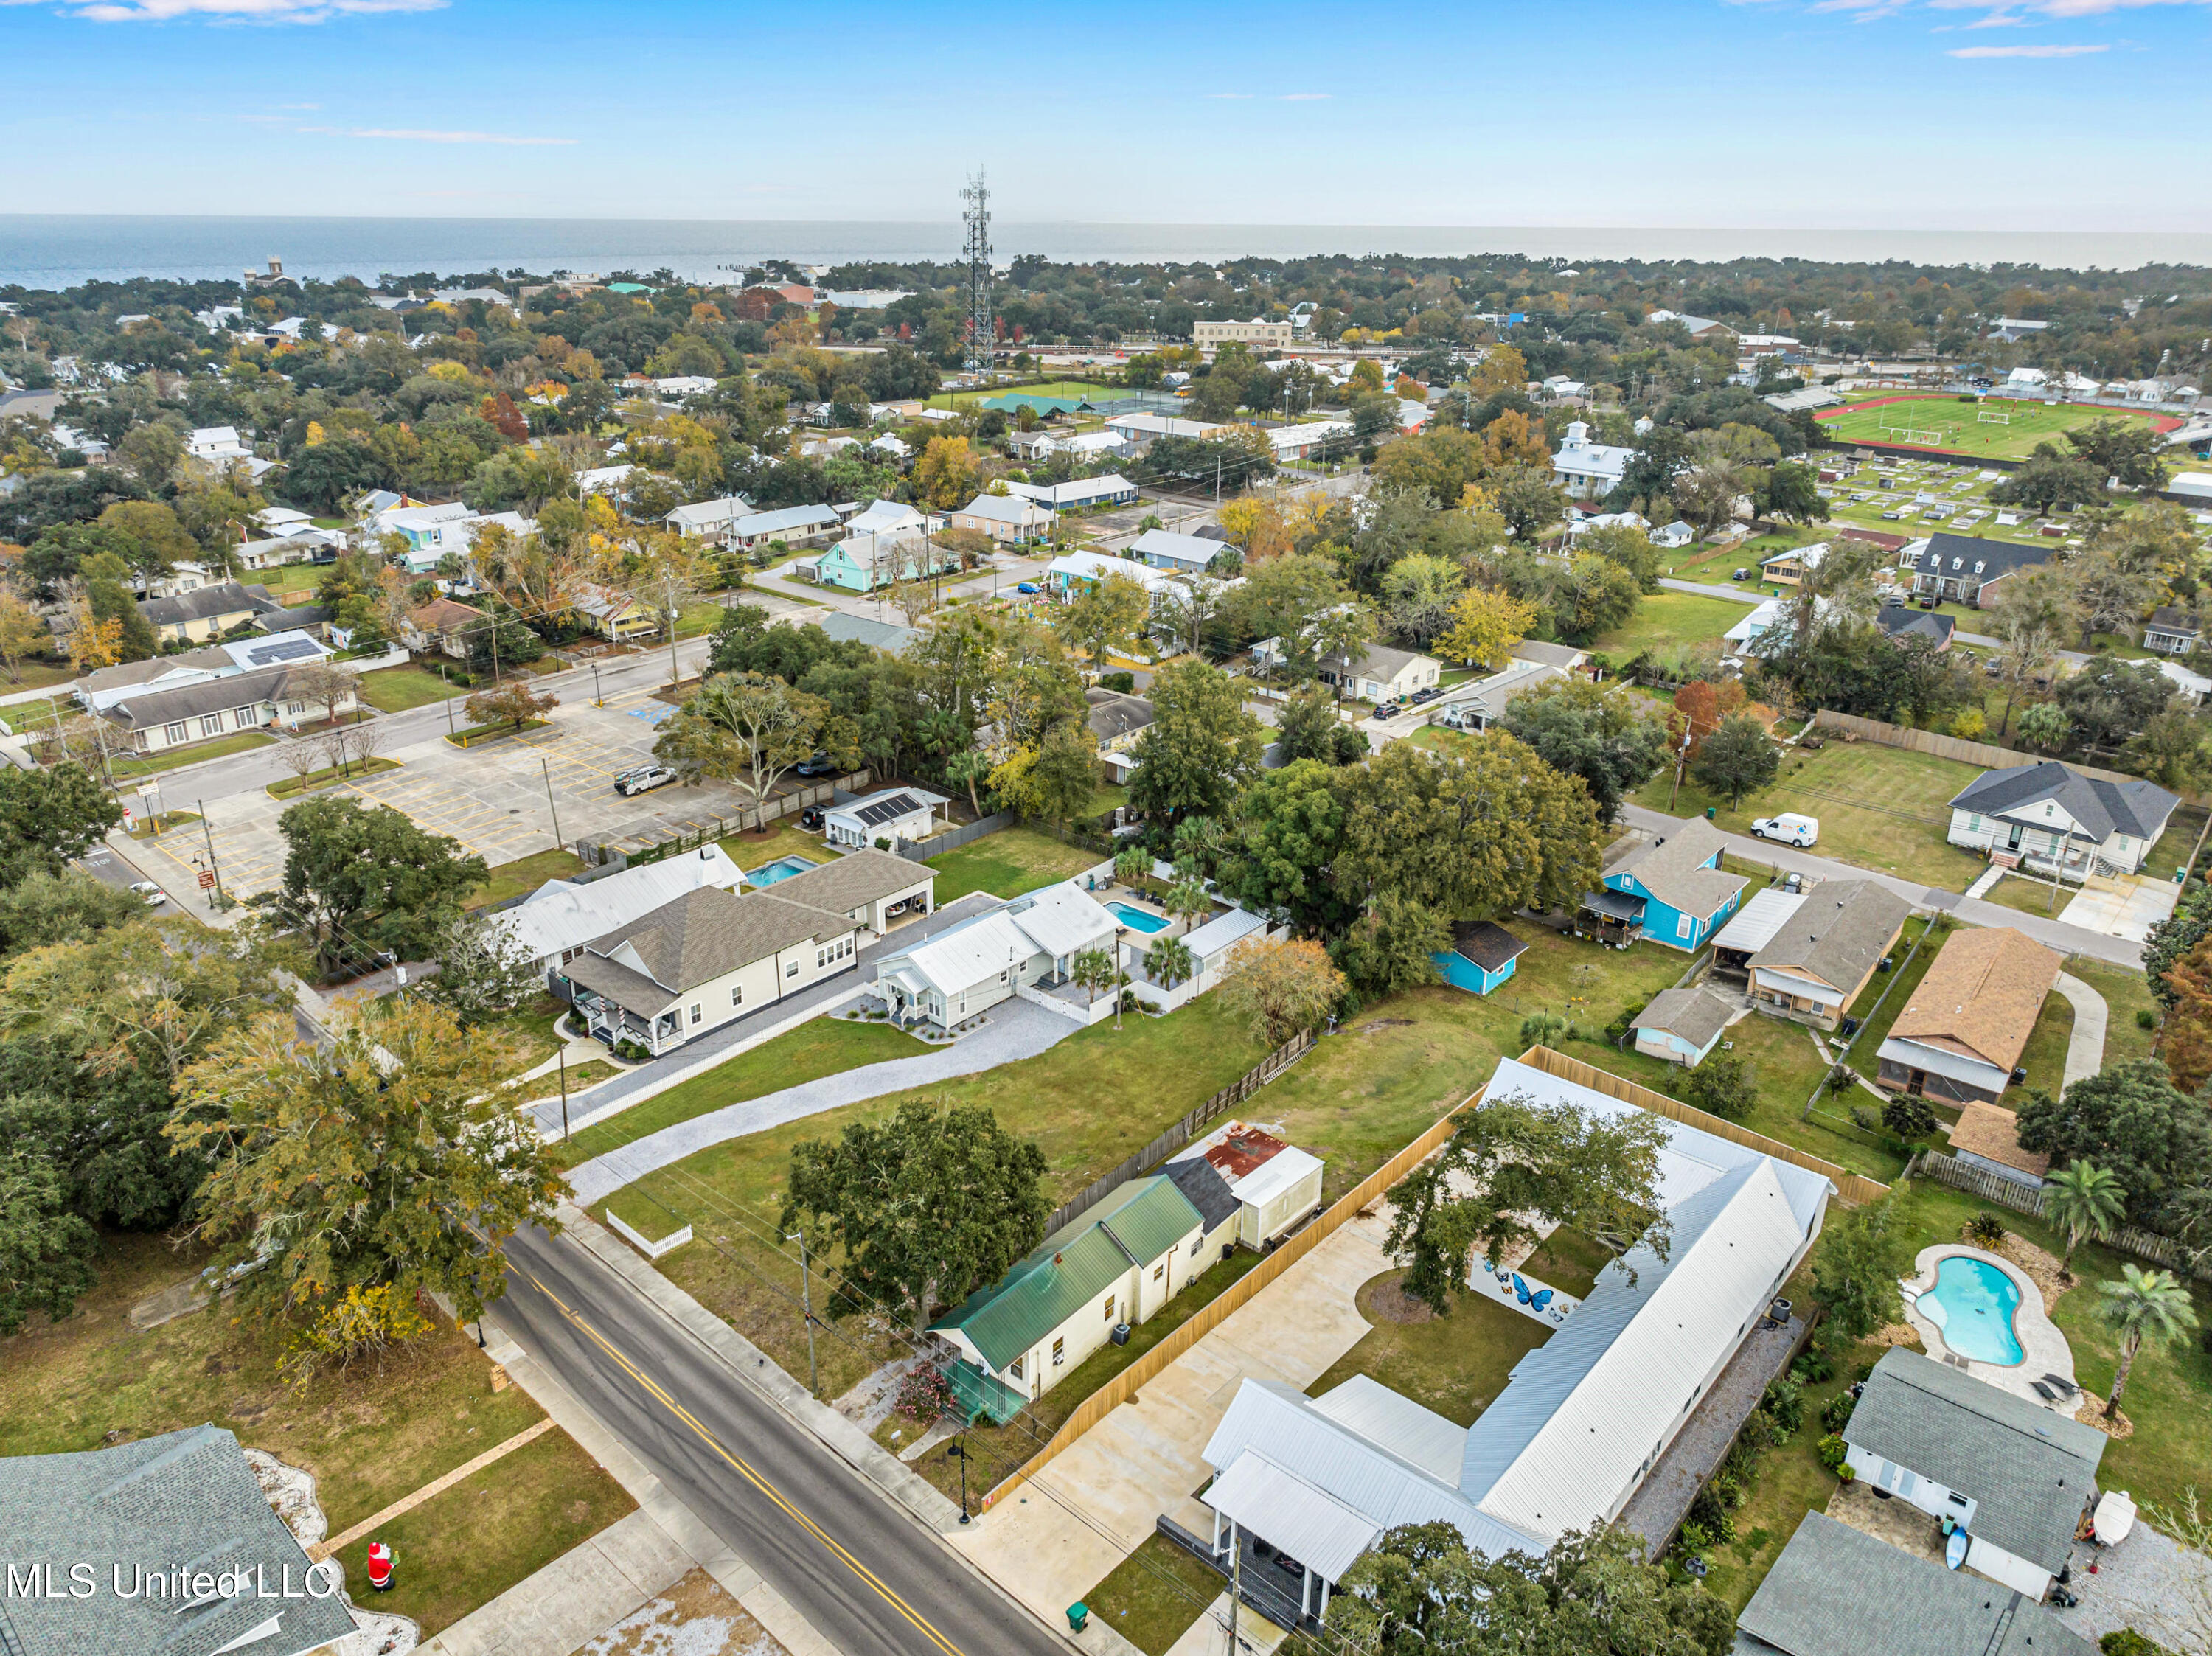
(1986, 1229)
(1866, 1116)
(1710, 1513)
(2126, 1641)
(1126, 683)
(2145, 1019)
(1785, 1401)
(1831, 1452)
(631, 1050)
(1969, 725)
(924, 1394)
(1836, 1413)
(1909, 1117)
(1692, 1538)
(1813, 1365)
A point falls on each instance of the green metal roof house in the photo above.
(1113, 1265)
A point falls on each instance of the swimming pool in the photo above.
(782, 869)
(1973, 1303)
(1135, 919)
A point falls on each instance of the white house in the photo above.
(217, 443)
(1585, 470)
(794, 525)
(893, 813)
(1008, 517)
(2050, 815)
(1381, 672)
(109, 686)
(712, 957)
(1330, 438)
(2014, 1474)
(558, 921)
(969, 967)
(604, 480)
(1584, 1417)
(1675, 534)
(1081, 493)
(710, 519)
(1143, 430)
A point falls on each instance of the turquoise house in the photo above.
(1670, 890)
(861, 563)
(1483, 956)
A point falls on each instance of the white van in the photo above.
(1788, 828)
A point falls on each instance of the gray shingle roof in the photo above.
(1838, 932)
(205, 603)
(1836, 1590)
(1902, 621)
(844, 884)
(878, 635)
(1114, 714)
(186, 1498)
(2030, 1471)
(1205, 1189)
(2101, 807)
(701, 935)
(1953, 556)
(1670, 868)
(1692, 1013)
(208, 696)
(1487, 943)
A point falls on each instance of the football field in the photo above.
(1990, 427)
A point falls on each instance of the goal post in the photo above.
(1990, 417)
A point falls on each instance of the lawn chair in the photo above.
(2066, 1387)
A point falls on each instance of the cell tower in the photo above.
(975, 214)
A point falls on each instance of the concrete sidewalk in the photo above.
(2085, 1046)
(1017, 1030)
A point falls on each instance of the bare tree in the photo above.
(366, 738)
(298, 757)
(914, 599)
(659, 572)
(324, 682)
(334, 743)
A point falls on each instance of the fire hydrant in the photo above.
(379, 1566)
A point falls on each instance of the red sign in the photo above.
(207, 879)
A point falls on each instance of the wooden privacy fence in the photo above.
(920, 851)
(1946, 746)
(1179, 1133)
(1852, 1188)
(2034, 1202)
(1124, 1385)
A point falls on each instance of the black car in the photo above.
(644, 778)
(811, 819)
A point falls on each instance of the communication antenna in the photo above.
(975, 215)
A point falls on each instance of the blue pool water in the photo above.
(1972, 1302)
(782, 869)
(1135, 919)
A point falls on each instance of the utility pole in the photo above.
(563, 1056)
(598, 700)
(1236, 1581)
(1682, 754)
(214, 867)
(806, 1301)
(548, 771)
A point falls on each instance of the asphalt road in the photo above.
(871, 1579)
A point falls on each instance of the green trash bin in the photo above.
(1710, 814)
(1079, 1615)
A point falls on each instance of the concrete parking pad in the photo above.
(1051, 1540)
(2127, 913)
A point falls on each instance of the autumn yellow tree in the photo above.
(22, 633)
(945, 475)
(1485, 624)
(1515, 438)
(93, 643)
(1504, 369)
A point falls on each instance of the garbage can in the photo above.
(1079, 1615)
(1709, 813)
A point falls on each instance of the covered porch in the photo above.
(1614, 917)
(1293, 1541)
(614, 1024)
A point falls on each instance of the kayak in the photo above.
(1954, 1550)
(2115, 1516)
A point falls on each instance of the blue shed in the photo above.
(1682, 1025)
(1677, 881)
(1482, 956)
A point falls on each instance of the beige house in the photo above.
(158, 719)
(1813, 967)
(441, 627)
(714, 956)
(1254, 332)
(203, 613)
(613, 616)
(1007, 518)
(1959, 1037)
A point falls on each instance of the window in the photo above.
(1110, 1307)
(242, 719)
(1681, 926)
(1014, 1369)
(1158, 1271)
(792, 970)
(694, 1012)
(296, 708)
(736, 994)
(210, 724)
(176, 732)
(1059, 1351)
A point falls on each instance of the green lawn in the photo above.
(1670, 619)
(395, 689)
(36, 675)
(170, 758)
(1088, 390)
(1879, 808)
(824, 1046)
(1455, 1364)
(1008, 863)
(328, 774)
(370, 1436)
(2126, 993)
(526, 874)
(1940, 422)
(1152, 1596)
(1879, 1005)
(784, 838)
(2174, 845)
(2044, 1058)
(2030, 896)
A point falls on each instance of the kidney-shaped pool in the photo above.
(1973, 1302)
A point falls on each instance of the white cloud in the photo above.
(1998, 14)
(231, 11)
(423, 135)
(2023, 51)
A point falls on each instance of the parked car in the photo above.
(1429, 695)
(811, 819)
(148, 894)
(1030, 587)
(643, 778)
(817, 766)
(1788, 829)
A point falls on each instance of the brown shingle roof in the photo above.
(1993, 1133)
(1982, 996)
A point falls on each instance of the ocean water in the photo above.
(61, 250)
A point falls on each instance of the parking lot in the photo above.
(492, 798)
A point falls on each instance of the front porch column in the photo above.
(1217, 1532)
(1305, 1590)
(1324, 1598)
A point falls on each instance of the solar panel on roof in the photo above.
(887, 810)
(286, 649)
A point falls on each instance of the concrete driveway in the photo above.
(2128, 914)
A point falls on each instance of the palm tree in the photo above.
(1092, 971)
(1187, 900)
(2144, 1305)
(1542, 1028)
(2084, 1200)
(1170, 962)
(1132, 864)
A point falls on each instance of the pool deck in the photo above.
(2044, 1348)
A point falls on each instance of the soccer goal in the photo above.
(1914, 434)
(1991, 417)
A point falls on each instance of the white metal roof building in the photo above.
(1757, 921)
(971, 966)
(560, 917)
(1584, 1415)
(892, 814)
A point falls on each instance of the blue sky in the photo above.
(1953, 114)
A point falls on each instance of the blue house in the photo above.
(1682, 1025)
(1670, 890)
(1482, 956)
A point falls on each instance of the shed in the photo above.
(1483, 956)
(1987, 1137)
(1681, 1025)
(893, 813)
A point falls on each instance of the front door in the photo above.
(2012, 843)
(1916, 1082)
